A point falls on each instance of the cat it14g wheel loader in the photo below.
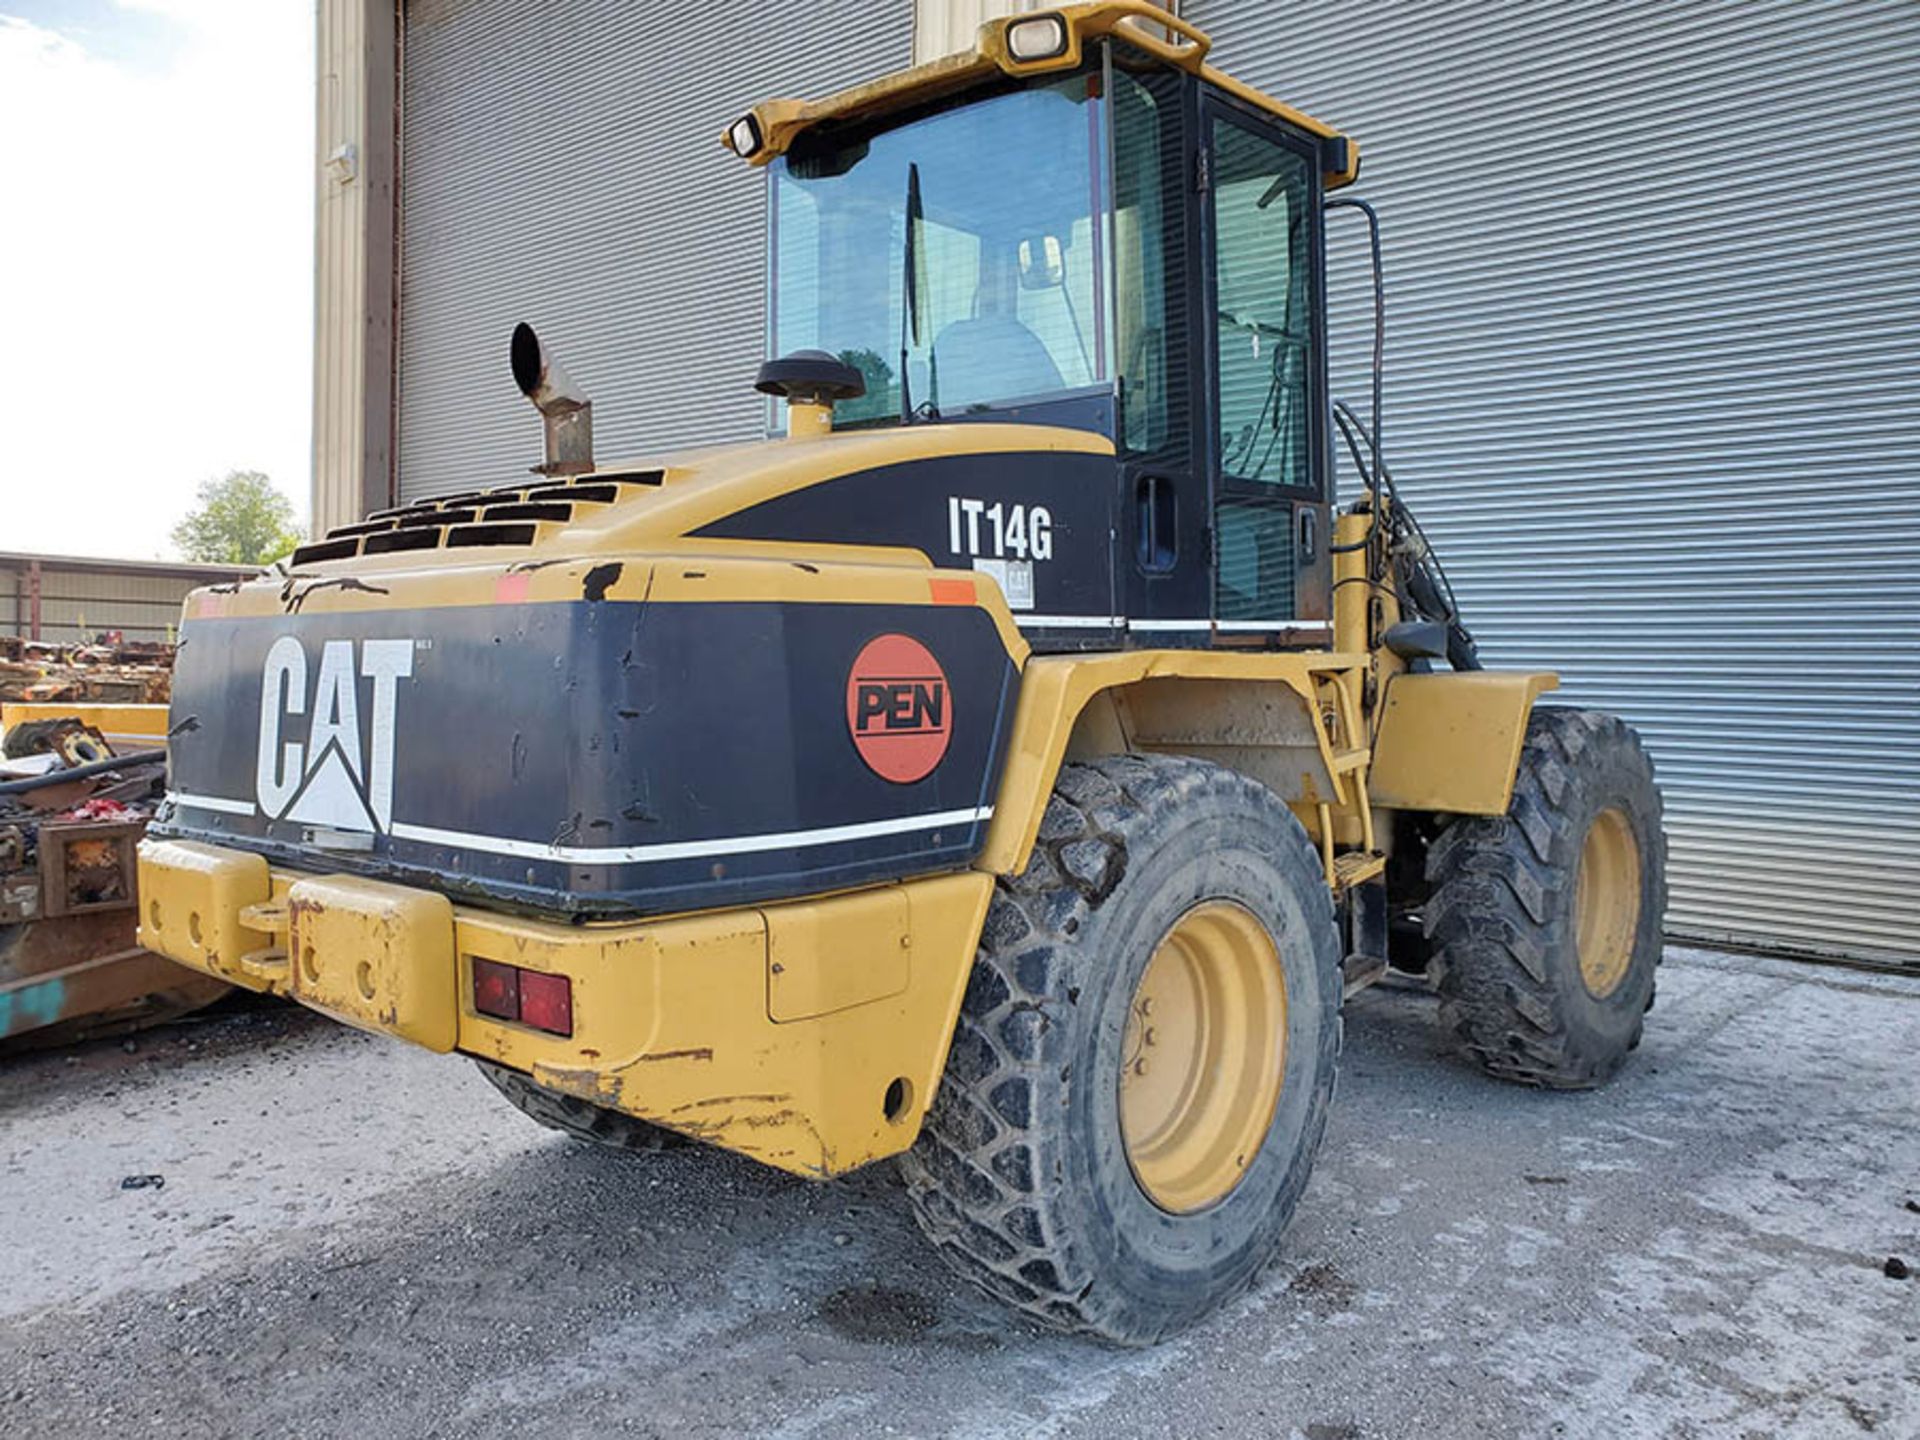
(1009, 767)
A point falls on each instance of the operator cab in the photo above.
(1131, 246)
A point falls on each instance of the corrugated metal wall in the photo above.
(1654, 386)
(76, 605)
(562, 164)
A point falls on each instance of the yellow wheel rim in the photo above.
(1606, 904)
(1203, 1057)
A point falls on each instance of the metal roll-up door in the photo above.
(561, 164)
(1654, 388)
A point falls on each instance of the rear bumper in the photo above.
(809, 1036)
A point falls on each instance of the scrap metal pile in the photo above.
(109, 672)
(71, 816)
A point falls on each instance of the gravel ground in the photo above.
(357, 1239)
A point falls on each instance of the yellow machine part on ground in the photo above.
(127, 727)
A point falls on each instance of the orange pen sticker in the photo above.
(899, 709)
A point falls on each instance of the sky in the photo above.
(156, 263)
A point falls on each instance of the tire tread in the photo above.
(983, 1177)
(579, 1118)
(1491, 917)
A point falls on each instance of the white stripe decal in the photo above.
(1070, 622)
(1228, 625)
(688, 849)
(1116, 622)
(211, 802)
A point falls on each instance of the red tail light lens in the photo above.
(546, 1002)
(526, 997)
(496, 990)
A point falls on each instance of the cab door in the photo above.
(1265, 360)
(1163, 508)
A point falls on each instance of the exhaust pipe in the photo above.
(561, 403)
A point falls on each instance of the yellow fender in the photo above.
(1257, 713)
(1444, 742)
(1451, 741)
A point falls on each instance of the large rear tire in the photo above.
(1141, 1072)
(581, 1119)
(1545, 924)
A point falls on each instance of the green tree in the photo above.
(882, 398)
(241, 520)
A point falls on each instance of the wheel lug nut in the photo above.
(1146, 1005)
(1140, 1066)
(1150, 1035)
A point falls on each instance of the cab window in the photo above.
(1260, 193)
(1263, 352)
(955, 256)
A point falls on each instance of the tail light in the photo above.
(546, 1002)
(496, 990)
(525, 997)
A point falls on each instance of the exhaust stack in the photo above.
(562, 404)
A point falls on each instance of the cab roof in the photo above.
(1020, 46)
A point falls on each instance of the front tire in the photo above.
(1102, 1165)
(1545, 924)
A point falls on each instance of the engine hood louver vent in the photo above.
(532, 510)
(326, 550)
(624, 477)
(505, 515)
(491, 535)
(400, 540)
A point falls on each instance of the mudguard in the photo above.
(1451, 741)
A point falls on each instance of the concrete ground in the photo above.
(356, 1239)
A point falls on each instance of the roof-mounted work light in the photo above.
(1041, 37)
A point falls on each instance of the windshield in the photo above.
(958, 254)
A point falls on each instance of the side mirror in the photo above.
(1417, 639)
(1043, 263)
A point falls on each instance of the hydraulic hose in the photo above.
(81, 772)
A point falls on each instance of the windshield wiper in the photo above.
(910, 309)
(910, 306)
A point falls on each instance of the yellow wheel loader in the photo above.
(1009, 767)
